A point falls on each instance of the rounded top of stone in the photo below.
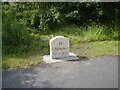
(58, 37)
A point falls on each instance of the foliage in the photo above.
(50, 19)
(28, 26)
(49, 15)
(14, 35)
(38, 15)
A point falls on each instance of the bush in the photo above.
(46, 16)
(14, 35)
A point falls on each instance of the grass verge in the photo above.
(89, 49)
(95, 49)
(90, 41)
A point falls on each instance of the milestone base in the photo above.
(71, 57)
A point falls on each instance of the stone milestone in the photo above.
(59, 47)
(59, 50)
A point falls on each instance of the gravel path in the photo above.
(100, 72)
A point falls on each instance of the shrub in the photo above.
(14, 35)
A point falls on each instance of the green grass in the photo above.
(91, 41)
(94, 49)
(78, 34)
(21, 61)
(91, 49)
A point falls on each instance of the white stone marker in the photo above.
(59, 47)
(59, 50)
